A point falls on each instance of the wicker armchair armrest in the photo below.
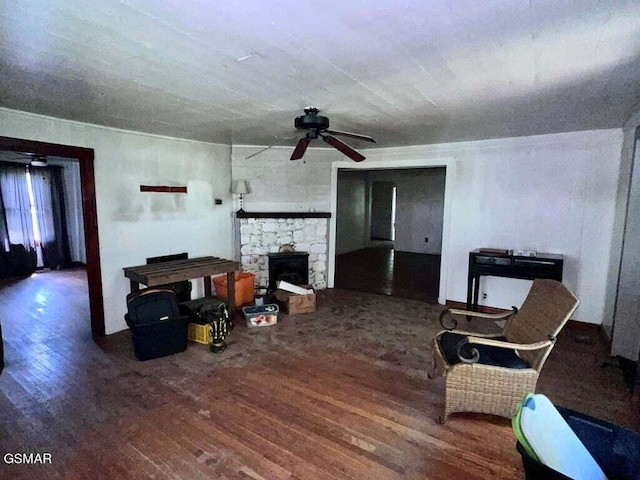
(496, 343)
(478, 334)
(469, 313)
(513, 346)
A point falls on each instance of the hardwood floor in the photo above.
(339, 394)
(383, 270)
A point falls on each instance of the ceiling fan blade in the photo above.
(366, 138)
(344, 148)
(258, 152)
(278, 141)
(301, 147)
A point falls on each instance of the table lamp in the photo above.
(241, 187)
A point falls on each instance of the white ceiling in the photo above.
(404, 71)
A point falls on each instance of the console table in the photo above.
(178, 270)
(481, 262)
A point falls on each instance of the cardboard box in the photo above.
(293, 304)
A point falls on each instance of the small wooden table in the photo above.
(503, 264)
(178, 270)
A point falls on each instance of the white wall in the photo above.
(351, 215)
(552, 193)
(280, 185)
(133, 225)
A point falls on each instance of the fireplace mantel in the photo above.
(242, 214)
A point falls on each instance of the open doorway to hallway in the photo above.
(389, 228)
(42, 250)
(84, 158)
(42, 246)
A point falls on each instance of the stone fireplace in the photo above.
(261, 234)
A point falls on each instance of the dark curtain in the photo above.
(4, 244)
(4, 231)
(48, 196)
(16, 230)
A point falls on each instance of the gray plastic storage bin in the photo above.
(261, 315)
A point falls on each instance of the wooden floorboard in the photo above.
(338, 394)
(381, 269)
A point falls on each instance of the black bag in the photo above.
(155, 322)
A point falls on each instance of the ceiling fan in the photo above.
(33, 159)
(37, 160)
(318, 126)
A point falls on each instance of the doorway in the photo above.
(85, 158)
(383, 211)
(400, 213)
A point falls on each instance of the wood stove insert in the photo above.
(292, 267)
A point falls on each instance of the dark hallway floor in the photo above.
(383, 270)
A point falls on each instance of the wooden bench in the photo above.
(185, 269)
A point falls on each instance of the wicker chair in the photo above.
(491, 373)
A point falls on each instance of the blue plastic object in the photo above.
(614, 448)
(554, 443)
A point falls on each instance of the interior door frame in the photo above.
(85, 157)
(448, 163)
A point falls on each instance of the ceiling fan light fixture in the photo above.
(38, 162)
(311, 120)
(318, 126)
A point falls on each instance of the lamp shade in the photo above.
(240, 186)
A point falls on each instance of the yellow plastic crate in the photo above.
(199, 333)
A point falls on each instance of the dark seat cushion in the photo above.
(499, 357)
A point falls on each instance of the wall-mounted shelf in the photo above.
(163, 189)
